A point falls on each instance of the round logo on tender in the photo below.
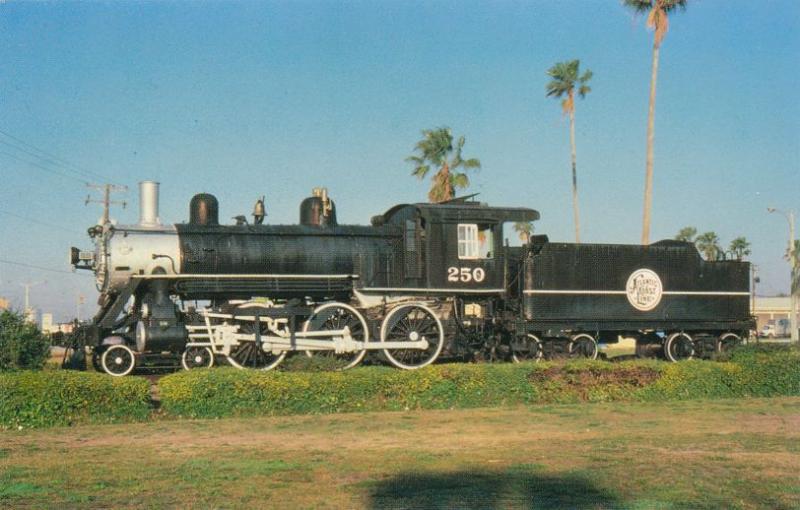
(644, 289)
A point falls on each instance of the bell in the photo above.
(259, 211)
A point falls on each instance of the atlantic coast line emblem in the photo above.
(644, 289)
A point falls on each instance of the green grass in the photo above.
(692, 454)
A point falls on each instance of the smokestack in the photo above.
(148, 204)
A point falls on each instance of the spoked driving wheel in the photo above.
(333, 317)
(583, 346)
(118, 360)
(197, 357)
(412, 323)
(251, 353)
(679, 347)
(526, 348)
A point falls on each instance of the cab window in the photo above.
(474, 241)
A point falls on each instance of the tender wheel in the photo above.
(410, 323)
(118, 360)
(728, 341)
(679, 347)
(197, 357)
(249, 355)
(526, 348)
(337, 316)
(582, 346)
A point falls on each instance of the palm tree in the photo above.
(793, 253)
(435, 149)
(524, 229)
(740, 247)
(657, 19)
(565, 77)
(686, 234)
(708, 244)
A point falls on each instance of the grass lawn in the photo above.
(701, 454)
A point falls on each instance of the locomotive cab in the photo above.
(455, 247)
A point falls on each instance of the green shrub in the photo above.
(22, 345)
(60, 397)
(226, 391)
(767, 372)
(229, 392)
(692, 379)
(40, 399)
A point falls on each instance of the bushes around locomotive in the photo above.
(63, 398)
(22, 345)
(750, 372)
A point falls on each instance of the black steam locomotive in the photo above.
(422, 281)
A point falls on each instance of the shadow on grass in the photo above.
(485, 489)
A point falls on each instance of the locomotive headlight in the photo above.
(81, 259)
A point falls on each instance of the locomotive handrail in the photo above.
(247, 276)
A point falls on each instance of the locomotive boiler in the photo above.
(419, 282)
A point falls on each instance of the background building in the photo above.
(771, 309)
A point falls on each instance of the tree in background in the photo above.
(794, 252)
(686, 234)
(524, 229)
(22, 345)
(565, 77)
(658, 12)
(436, 150)
(708, 244)
(740, 247)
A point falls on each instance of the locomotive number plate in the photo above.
(465, 274)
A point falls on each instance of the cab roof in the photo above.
(455, 211)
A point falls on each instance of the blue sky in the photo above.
(248, 98)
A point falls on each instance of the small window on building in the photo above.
(475, 242)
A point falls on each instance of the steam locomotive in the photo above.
(421, 281)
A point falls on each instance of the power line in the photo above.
(40, 222)
(46, 169)
(52, 157)
(45, 160)
(31, 266)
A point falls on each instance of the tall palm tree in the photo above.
(524, 229)
(658, 12)
(565, 77)
(794, 252)
(686, 234)
(436, 149)
(708, 244)
(740, 247)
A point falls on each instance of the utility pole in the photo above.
(754, 279)
(81, 299)
(28, 286)
(794, 290)
(107, 189)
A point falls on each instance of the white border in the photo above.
(246, 276)
(440, 291)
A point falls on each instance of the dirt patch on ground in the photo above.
(586, 380)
